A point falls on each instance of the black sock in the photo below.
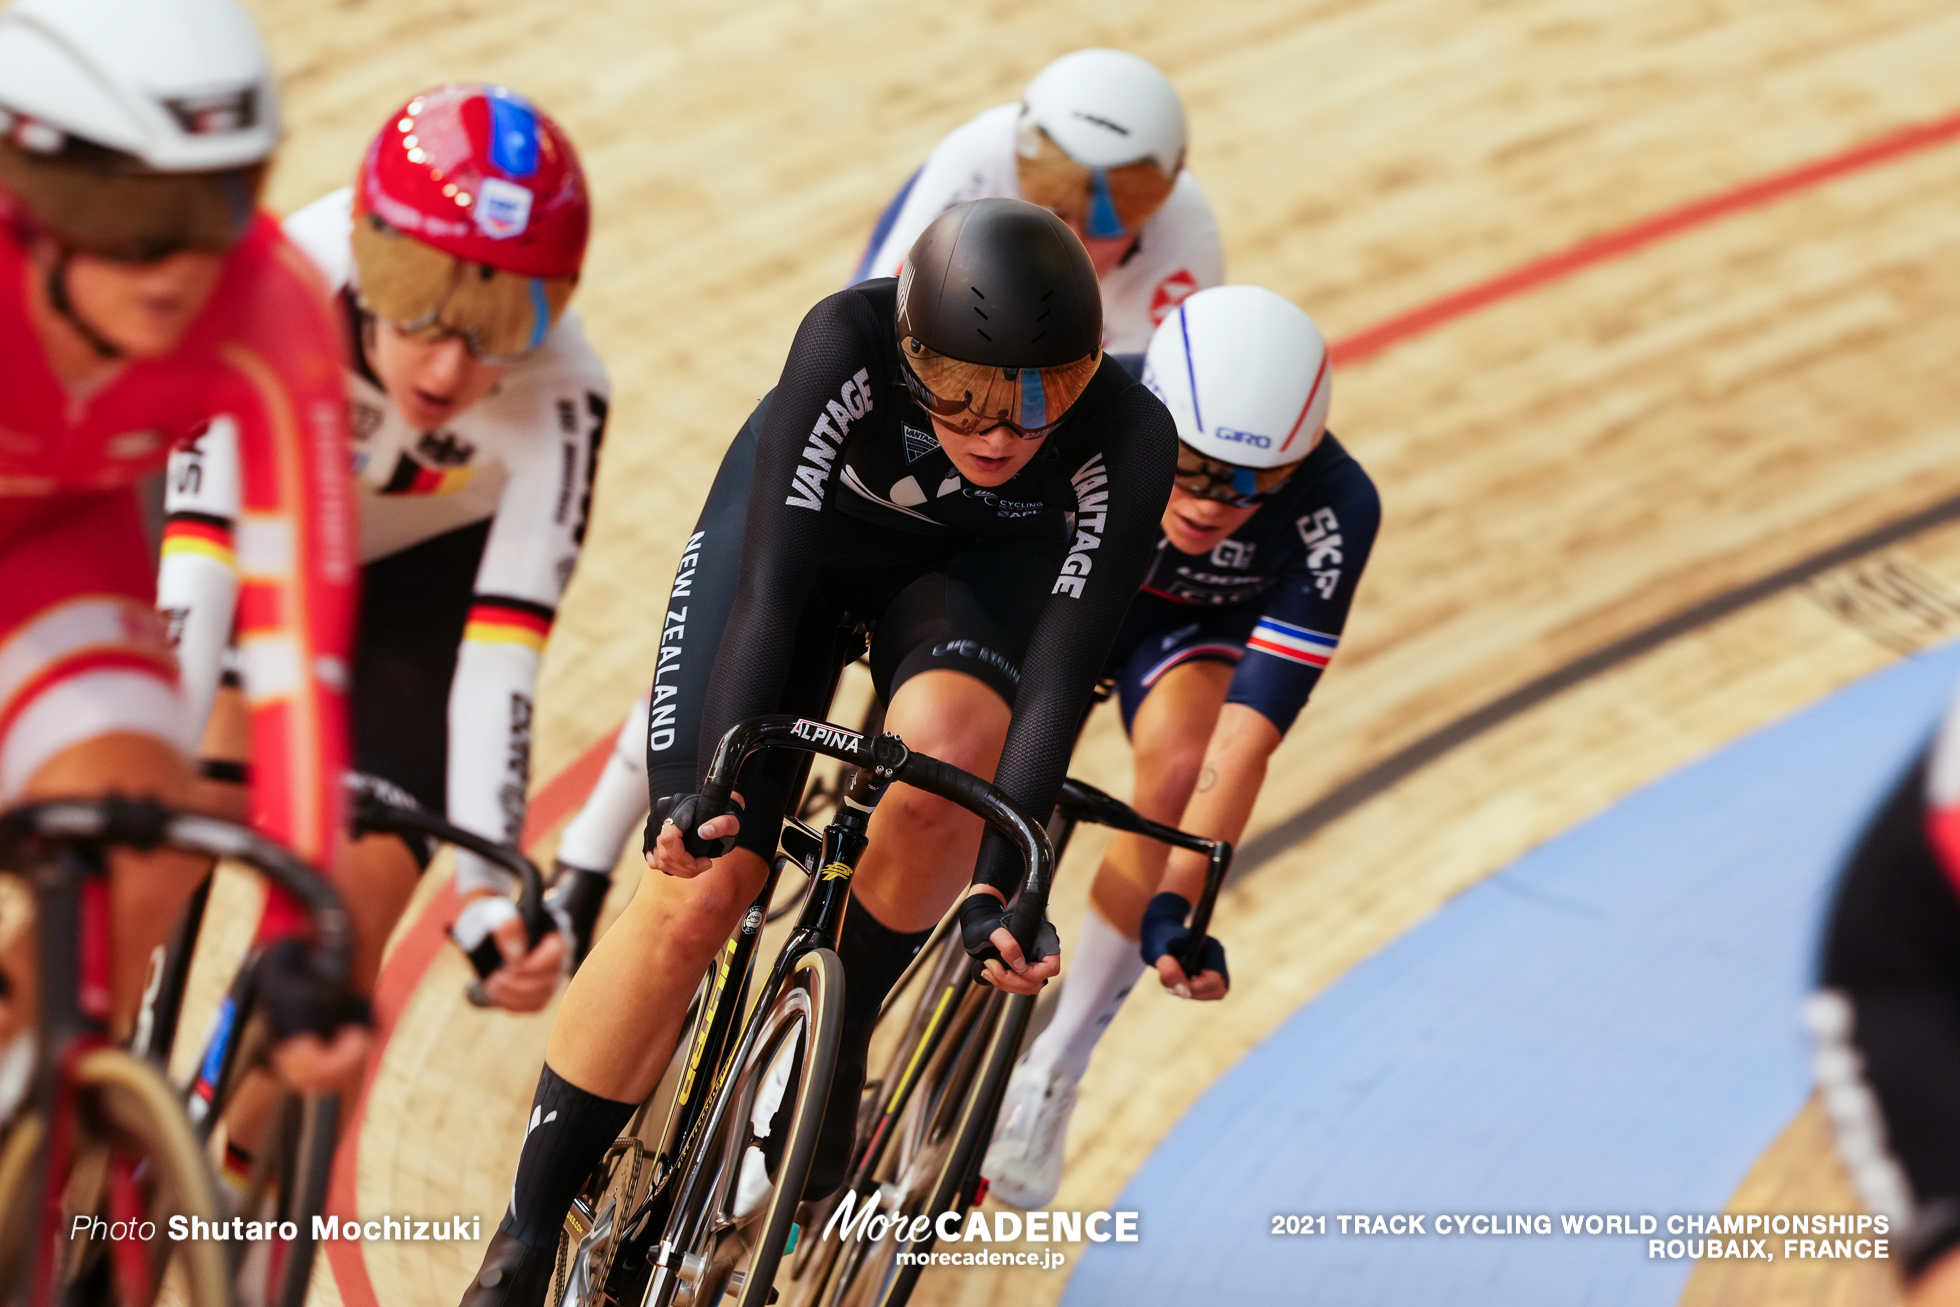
(874, 957)
(568, 1132)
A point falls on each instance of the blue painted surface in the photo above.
(1610, 1025)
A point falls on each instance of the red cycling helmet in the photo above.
(477, 174)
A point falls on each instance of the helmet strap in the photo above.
(58, 301)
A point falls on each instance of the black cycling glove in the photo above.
(297, 1000)
(982, 914)
(681, 809)
(1164, 932)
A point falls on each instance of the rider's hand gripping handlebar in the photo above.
(371, 811)
(887, 756)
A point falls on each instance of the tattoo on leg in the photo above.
(1207, 779)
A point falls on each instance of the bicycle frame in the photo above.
(1077, 803)
(61, 845)
(878, 761)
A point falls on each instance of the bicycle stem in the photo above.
(885, 756)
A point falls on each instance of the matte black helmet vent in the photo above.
(1001, 282)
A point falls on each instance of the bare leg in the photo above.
(622, 1015)
(1172, 729)
(922, 847)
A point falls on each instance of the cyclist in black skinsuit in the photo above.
(951, 457)
(1887, 1020)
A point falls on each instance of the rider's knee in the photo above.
(698, 914)
(953, 717)
(1167, 770)
(916, 811)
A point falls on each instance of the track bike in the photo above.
(288, 1179)
(101, 1155)
(926, 1122)
(700, 1203)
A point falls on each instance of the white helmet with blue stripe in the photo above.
(1244, 373)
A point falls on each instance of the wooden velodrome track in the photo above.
(1604, 443)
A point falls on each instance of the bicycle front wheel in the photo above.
(932, 1159)
(741, 1184)
(133, 1165)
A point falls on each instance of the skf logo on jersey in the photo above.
(1250, 438)
(826, 438)
(1091, 514)
(1322, 532)
(503, 209)
(1171, 292)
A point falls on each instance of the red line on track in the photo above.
(560, 795)
(1373, 340)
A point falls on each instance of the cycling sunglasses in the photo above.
(976, 398)
(1105, 203)
(94, 202)
(1227, 483)
(429, 296)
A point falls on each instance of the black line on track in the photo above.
(1405, 762)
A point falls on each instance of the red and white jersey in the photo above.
(524, 457)
(1177, 254)
(265, 352)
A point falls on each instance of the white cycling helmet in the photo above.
(1105, 108)
(180, 85)
(134, 129)
(1245, 375)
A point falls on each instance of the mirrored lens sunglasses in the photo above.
(1106, 202)
(975, 398)
(501, 317)
(1227, 483)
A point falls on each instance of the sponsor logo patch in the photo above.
(919, 443)
(1171, 292)
(1251, 438)
(826, 438)
(824, 733)
(503, 209)
(1091, 515)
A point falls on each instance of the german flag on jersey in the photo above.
(200, 533)
(412, 478)
(495, 619)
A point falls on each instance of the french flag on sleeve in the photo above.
(1294, 643)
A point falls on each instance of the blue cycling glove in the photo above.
(1164, 932)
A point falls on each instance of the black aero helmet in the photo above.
(999, 317)
(1002, 282)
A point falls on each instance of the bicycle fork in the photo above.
(676, 1273)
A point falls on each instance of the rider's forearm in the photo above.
(1228, 786)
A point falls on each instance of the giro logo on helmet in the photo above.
(1251, 438)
